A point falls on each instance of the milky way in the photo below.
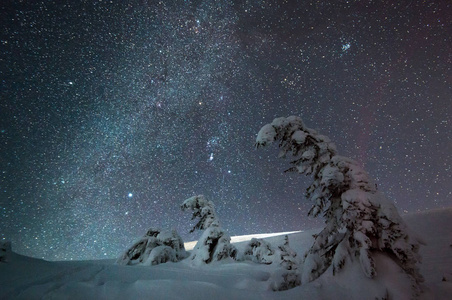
(113, 114)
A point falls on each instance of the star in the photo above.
(346, 46)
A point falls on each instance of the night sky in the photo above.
(112, 114)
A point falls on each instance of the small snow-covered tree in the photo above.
(288, 277)
(288, 256)
(262, 252)
(202, 209)
(259, 251)
(155, 247)
(358, 218)
(214, 244)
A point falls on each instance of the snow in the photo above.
(29, 278)
(243, 238)
(260, 251)
(266, 135)
(202, 208)
(161, 254)
(299, 136)
(215, 243)
(156, 246)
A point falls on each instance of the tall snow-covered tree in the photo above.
(359, 220)
(214, 244)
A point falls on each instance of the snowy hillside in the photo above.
(28, 278)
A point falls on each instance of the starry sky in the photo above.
(112, 113)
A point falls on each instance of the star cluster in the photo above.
(112, 114)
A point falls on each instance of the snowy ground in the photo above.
(28, 278)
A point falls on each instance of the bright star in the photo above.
(130, 195)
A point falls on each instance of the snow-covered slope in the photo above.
(28, 278)
(244, 238)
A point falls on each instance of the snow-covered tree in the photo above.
(214, 244)
(259, 251)
(202, 209)
(359, 220)
(155, 247)
(262, 252)
(287, 255)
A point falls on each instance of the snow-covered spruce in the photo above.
(214, 244)
(288, 277)
(259, 251)
(202, 209)
(359, 219)
(288, 256)
(155, 247)
(262, 252)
